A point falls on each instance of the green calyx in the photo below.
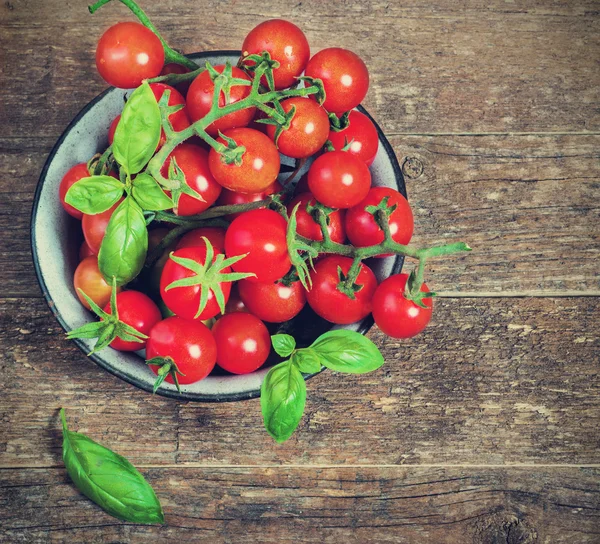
(231, 152)
(338, 124)
(166, 367)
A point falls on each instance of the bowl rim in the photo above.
(365, 324)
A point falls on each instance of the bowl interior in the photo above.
(56, 238)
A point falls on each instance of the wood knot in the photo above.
(503, 529)
(412, 167)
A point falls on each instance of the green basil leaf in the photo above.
(109, 479)
(283, 344)
(307, 361)
(282, 400)
(138, 131)
(125, 243)
(347, 351)
(94, 194)
(149, 194)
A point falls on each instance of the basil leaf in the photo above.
(282, 400)
(125, 243)
(283, 344)
(138, 131)
(95, 194)
(307, 361)
(109, 479)
(347, 351)
(149, 194)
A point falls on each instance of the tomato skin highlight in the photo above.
(243, 342)
(396, 315)
(94, 227)
(89, 279)
(286, 43)
(77, 172)
(362, 136)
(272, 302)
(330, 303)
(193, 238)
(138, 311)
(189, 343)
(128, 53)
(261, 234)
(306, 226)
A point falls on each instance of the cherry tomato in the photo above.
(138, 311)
(286, 44)
(306, 226)
(396, 315)
(94, 227)
(112, 129)
(362, 136)
(339, 180)
(330, 303)
(344, 75)
(127, 54)
(262, 235)
(85, 251)
(179, 120)
(185, 301)
(200, 95)
(89, 279)
(77, 172)
(193, 238)
(235, 303)
(243, 342)
(189, 344)
(363, 230)
(308, 130)
(272, 302)
(193, 161)
(230, 198)
(174, 68)
(260, 162)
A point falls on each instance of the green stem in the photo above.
(175, 79)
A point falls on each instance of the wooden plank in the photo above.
(491, 381)
(330, 505)
(475, 67)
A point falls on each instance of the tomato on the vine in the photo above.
(231, 198)
(259, 167)
(345, 78)
(396, 315)
(306, 226)
(89, 279)
(128, 53)
(363, 230)
(329, 302)
(272, 302)
(360, 134)
(200, 96)
(243, 342)
(286, 44)
(113, 128)
(189, 344)
(77, 172)
(235, 303)
(261, 234)
(94, 227)
(85, 251)
(193, 238)
(339, 180)
(174, 68)
(138, 311)
(308, 129)
(193, 162)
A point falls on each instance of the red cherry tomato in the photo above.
(89, 279)
(286, 44)
(85, 251)
(330, 303)
(243, 342)
(94, 227)
(272, 302)
(344, 75)
(173, 68)
(200, 95)
(230, 198)
(193, 161)
(77, 172)
(112, 129)
(260, 162)
(189, 344)
(306, 226)
(193, 238)
(127, 54)
(185, 301)
(339, 180)
(362, 136)
(363, 230)
(262, 235)
(396, 315)
(235, 303)
(138, 311)
(308, 130)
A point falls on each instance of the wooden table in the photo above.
(483, 429)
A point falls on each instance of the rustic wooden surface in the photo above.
(484, 429)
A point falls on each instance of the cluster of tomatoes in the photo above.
(338, 178)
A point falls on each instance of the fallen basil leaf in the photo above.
(149, 194)
(95, 194)
(307, 361)
(109, 479)
(283, 344)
